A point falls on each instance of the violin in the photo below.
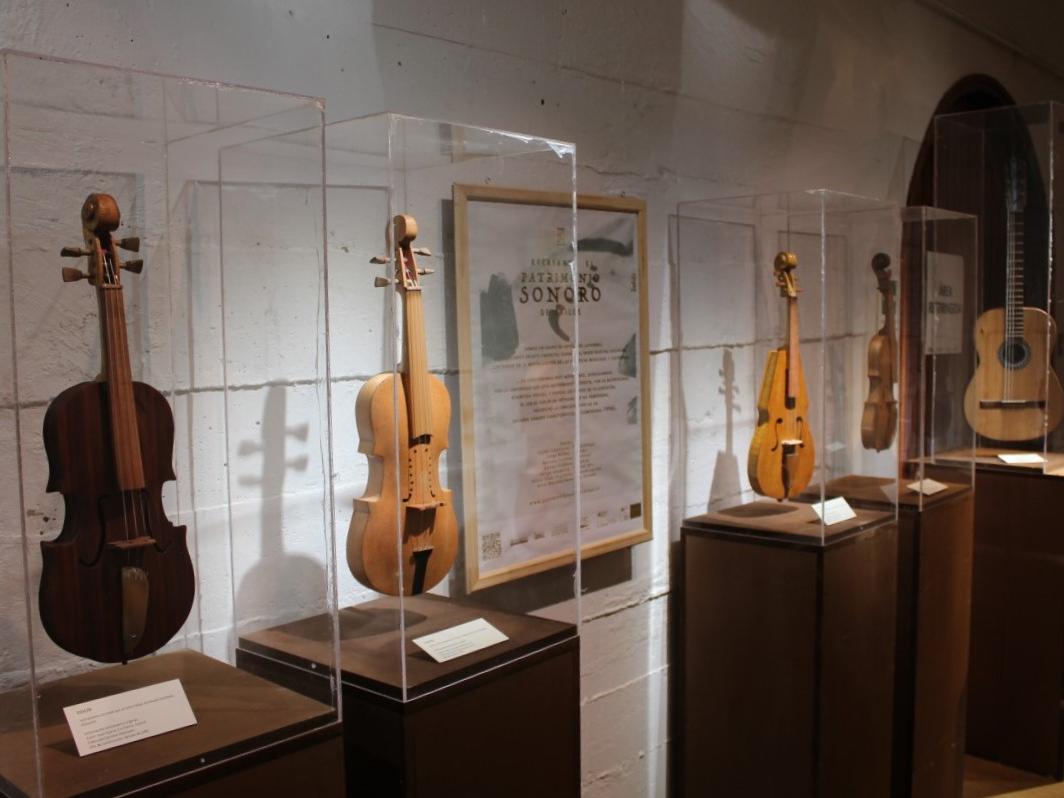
(402, 430)
(880, 417)
(117, 583)
(782, 454)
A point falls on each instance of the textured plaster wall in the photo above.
(669, 101)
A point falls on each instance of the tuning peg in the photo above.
(426, 271)
(422, 251)
(72, 275)
(379, 259)
(130, 244)
(381, 282)
(135, 266)
(73, 252)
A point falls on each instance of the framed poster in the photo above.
(517, 304)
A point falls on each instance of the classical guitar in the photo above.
(403, 536)
(1014, 394)
(117, 583)
(880, 417)
(782, 455)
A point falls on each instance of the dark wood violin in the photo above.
(403, 496)
(880, 417)
(782, 455)
(117, 583)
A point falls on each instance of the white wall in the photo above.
(668, 101)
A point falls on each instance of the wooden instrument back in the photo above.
(879, 420)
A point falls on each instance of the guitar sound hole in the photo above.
(1014, 353)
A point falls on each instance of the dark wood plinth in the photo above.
(935, 538)
(501, 721)
(786, 654)
(251, 737)
(1016, 666)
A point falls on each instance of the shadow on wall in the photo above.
(726, 482)
(281, 585)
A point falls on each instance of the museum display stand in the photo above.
(787, 631)
(480, 525)
(224, 319)
(935, 501)
(1003, 164)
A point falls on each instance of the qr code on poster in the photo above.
(491, 546)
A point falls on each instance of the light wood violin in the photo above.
(782, 455)
(403, 536)
(880, 417)
(117, 583)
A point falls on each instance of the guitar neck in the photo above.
(419, 409)
(794, 357)
(1014, 276)
(125, 436)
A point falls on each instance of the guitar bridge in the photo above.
(1012, 404)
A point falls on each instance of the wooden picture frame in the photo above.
(638, 509)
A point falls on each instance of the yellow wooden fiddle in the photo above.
(782, 455)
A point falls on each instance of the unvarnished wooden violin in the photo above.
(880, 417)
(782, 456)
(403, 536)
(117, 583)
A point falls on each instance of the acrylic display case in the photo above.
(455, 458)
(225, 321)
(734, 317)
(1003, 164)
(791, 489)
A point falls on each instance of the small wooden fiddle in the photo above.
(403, 537)
(880, 417)
(117, 583)
(782, 455)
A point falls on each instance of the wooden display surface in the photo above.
(879, 492)
(370, 647)
(236, 713)
(789, 522)
(467, 726)
(987, 457)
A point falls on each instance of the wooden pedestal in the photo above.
(1016, 669)
(251, 737)
(786, 660)
(501, 721)
(934, 615)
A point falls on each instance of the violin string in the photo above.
(112, 345)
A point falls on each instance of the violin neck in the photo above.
(125, 436)
(794, 362)
(416, 370)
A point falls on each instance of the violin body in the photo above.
(380, 515)
(81, 591)
(1014, 395)
(782, 455)
(880, 417)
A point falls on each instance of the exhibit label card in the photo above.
(834, 511)
(1021, 459)
(458, 640)
(928, 487)
(129, 716)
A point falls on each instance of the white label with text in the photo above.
(834, 511)
(458, 640)
(130, 716)
(1021, 459)
(928, 487)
